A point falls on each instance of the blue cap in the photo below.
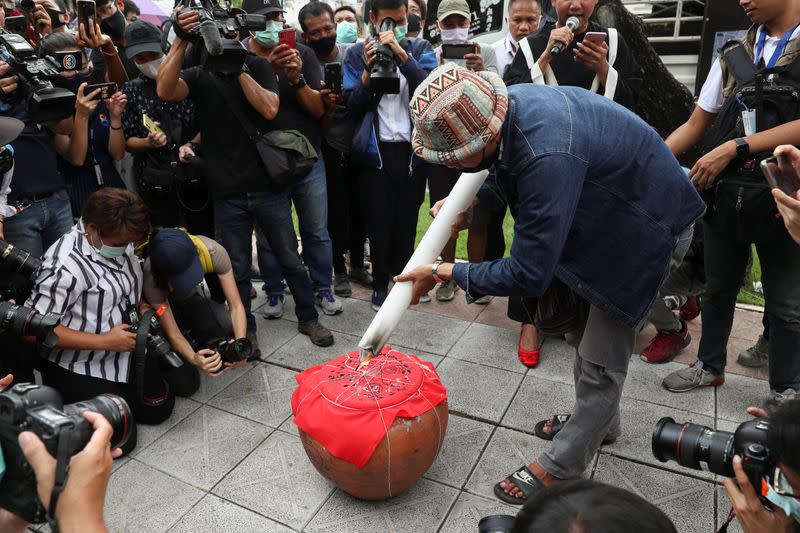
(174, 255)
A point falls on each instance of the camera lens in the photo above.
(693, 446)
(496, 523)
(19, 260)
(115, 409)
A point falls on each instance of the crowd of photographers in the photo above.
(149, 160)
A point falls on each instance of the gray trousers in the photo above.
(602, 353)
(679, 284)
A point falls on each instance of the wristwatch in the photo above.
(435, 272)
(742, 148)
(301, 82)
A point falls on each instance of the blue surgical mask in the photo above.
(346, 32)
(400, 32)
(269, 36)
(790, 506)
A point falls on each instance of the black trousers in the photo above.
(202, 320)
(345, 216)
(521, 309)
(391, 203)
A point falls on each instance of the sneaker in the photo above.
(691, 378)
(666, 345)
(690, 310)
(319, 334)
(361, 275)
(341, 286)
(274, 306)
(777, 398)
(378, 297)
(253, 338)
(757, 355)
(329, 304)
(425, 298)
(446, 291)
(253, 292)
(483, 300)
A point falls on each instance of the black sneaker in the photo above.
(319, 334)
(378, 297)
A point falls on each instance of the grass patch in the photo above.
(747, 295)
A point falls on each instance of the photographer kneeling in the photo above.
(92, 278)
(175, 267)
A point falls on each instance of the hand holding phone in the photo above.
(333, 77)
(781, 174)
(287, 37)
(87, 15)
(596, 37)
(106, 90)
(458, 51)
(150, 124)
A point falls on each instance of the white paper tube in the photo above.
(428, 250)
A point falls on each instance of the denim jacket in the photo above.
(599, 202)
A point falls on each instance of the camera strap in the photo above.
(63, 457)
(724, 527)
(140, 354)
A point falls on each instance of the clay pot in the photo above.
(408, 451)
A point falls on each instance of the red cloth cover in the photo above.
(349, 411)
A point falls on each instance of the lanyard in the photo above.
(762, 37)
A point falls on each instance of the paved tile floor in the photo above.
(229, 458)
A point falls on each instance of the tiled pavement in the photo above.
(229, 459)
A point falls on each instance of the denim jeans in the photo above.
(270, 212)
(41, 224)
(310, 199)
(725, 261)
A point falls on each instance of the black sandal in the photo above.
(525, 481)
(557, 424)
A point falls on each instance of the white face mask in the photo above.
(455, 36)
(150, 69)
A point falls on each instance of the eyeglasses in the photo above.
(781, 485)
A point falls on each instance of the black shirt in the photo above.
(234, 166)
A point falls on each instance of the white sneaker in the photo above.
(329, 304)
(274, 306)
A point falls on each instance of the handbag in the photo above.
(287, 155)
(365, 151)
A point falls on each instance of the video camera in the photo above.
(383, 77)
(157, 345)
(62, 428)
(46, 103)
(219, 27)
(702, 448)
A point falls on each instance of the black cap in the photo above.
(142, 36)
(262, 7)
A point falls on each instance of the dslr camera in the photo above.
(702, 448)
(46, 103)
(62, 428)
(157, 345)
(233, 351)
(383, 77)
(219, 28)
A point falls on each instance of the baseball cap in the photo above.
(453, 7)
(142, 36)
(262, 7)
(173, 254)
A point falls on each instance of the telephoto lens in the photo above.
(496, 523)
(114, 408)
(18, 260)
(27, 322)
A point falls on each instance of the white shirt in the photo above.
(711, 98)
(91, 293)
(505, 51)
(394, 117)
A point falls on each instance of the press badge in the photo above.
(749, 121)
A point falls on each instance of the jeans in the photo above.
(41, 224)
(271, 213)
(725, 260)
(310, 199)
(345, 217)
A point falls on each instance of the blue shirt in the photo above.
(599, 202)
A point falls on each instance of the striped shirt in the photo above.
(91, 293)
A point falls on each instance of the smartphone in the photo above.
(457, 51)
(18, 25)
(106, 90)
(150, 125)
(87, 14)
(596, 37)
(333, 77)
(781, 174)
(287, 37)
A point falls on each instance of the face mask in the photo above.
(114, 26)
(55, 18)
(400, 32)
(269, 36)
(789, 505)
(455, 36)
(150, 69)
(346, 32)
(323, 46)
(111, 252)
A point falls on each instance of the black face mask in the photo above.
(323, 46)
(71, 84)
(114, 26)
(55, 20)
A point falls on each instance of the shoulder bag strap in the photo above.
(739, 63)
(233, 105)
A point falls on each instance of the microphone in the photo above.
(572, 23)
(210, 34)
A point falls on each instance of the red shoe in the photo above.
(527, 358)
(666, 345)
(690, 310)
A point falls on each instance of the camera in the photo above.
(702, 448)
(233, 352)
(157, 345)
(62, 428)
(46, 103)
(18, 269)
(384, 78)
(496, 523)
(218, 30)
(27, 322)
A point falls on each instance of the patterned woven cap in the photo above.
(456, 112)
